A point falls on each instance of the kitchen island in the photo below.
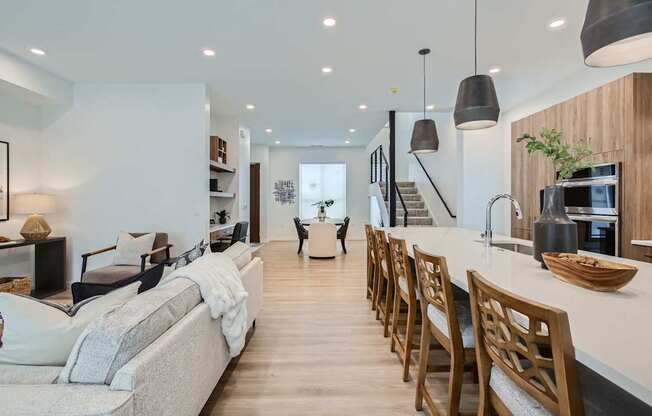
(612, 332)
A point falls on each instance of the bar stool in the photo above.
(405, 291)
(371, 265)
(449, 321)
(526, 359)
(385, 284)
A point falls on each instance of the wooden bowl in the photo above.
(589, 272)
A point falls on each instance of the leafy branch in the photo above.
(566, 159)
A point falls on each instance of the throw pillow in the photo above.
(38, 333)
(148, 279)
(129, 248)
(191, 255)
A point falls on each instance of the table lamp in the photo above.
(35, 228)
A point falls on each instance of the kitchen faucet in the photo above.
(488, 233)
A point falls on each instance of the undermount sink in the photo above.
(515, 247)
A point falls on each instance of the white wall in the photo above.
(260, 154)
(284, 164)
(128, 157)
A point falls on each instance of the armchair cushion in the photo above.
(149, 279)
(130, 249)
(111, 274)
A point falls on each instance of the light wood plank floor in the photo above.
(317, 348)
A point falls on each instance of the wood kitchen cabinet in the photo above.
(617, 118)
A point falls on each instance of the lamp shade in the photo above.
(617, 32)
(424, 137)
(477, 104)
(33, 203)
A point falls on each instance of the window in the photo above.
(320, 182)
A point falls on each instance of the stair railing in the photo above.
(379, 165)
(441, 198)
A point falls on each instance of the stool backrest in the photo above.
(401, 266)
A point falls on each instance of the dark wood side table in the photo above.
(49, 264)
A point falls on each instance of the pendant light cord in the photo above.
(476, 37)
(424, 87)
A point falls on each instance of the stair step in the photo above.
(416, 212)
(419, 221)
(407, 197)
(409, 204)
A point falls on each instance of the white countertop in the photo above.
(220, 227)
(612, 332)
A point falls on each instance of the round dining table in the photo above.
(309, 221)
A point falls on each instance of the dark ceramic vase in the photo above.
(554, 231)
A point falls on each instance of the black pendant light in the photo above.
(617, 32)
(424, 134)
(477, 104)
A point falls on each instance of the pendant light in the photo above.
(617, 32)
(477, 104)
(424, 134)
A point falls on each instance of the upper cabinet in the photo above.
(617, 119)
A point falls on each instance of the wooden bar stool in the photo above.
(405, 291)
(449, 321)
(526, 359)
(371, 265)
(385, 283)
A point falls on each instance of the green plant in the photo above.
(566, 159)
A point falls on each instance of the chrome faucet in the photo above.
(488, 233)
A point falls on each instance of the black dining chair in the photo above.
(302, 233)
(341, 233)
(239, 234)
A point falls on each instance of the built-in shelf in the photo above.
(220, 167)
(222, 195)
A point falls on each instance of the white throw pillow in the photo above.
(240, 253)
(129, 249)
(39, 334)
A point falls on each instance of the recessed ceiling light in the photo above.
(277, 142)
(208, 52)
(430, 107)
(268, 130)
(37, 51)
(557, 23)
(351, 130)
(362, 106)
(495, 70)
(327, 70)
(251, 107)
(347, 141)
(329, 22)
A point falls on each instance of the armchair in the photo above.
(159, 253)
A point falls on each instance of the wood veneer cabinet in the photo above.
(617, 118)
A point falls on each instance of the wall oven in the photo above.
(593, 201)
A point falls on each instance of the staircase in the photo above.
(418, 214)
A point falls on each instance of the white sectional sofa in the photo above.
(174, 375)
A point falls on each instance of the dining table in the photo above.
(309, 221)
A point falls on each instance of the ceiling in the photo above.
(270, 53)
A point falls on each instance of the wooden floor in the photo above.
(317, 348)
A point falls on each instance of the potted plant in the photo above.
(223, 216)
(554, 231)
(321, 212)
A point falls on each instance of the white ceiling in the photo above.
(270, 53)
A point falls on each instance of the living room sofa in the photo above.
(174, 375)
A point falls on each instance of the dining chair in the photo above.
(341, 233)
(449, 322)
(525, 354)
(371, 265)
(405, 291)
(302, 233)
(385, 285)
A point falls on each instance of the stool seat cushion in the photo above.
(463, 309)
(403, 285)
(517, 400)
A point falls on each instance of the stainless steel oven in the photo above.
(598, 233)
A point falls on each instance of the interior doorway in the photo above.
(254, 201)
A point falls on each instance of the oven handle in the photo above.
(594, 218)
(593, 182)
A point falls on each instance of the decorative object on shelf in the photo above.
(554, 231)
(588, 272)
(321, 210)
(424, 133)
(617, 32)
(4, 181)
(213, 185)
(35, 228)
(17, 285)
(284, 192)
(218, 149)
(477, 104)
(222, 216)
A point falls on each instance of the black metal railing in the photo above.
(380, 174)
(441, 198)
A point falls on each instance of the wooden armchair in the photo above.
(160, 253)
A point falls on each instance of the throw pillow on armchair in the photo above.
(149, 279)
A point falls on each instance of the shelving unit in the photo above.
(222, 195)
(219, 167)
